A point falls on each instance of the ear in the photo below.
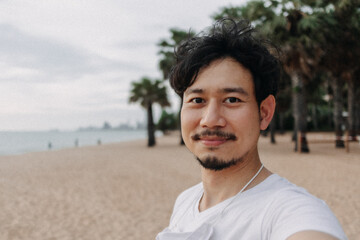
(267, 110)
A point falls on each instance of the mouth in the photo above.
(212, 142)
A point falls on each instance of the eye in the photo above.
(232, 100)
(197, 100)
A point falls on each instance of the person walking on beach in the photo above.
(227, 79)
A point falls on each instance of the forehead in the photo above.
(223, 74)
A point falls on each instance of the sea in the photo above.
(14, 143)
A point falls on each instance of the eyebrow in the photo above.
(194, 90)
(239, 90)
(235, 90)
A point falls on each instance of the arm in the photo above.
(309, 235)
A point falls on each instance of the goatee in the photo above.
(216, 164)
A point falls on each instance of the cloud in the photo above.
(68, 63)
(23, 52)
(27, 51)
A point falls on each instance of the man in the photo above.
(227, 80)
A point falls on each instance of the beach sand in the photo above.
(127, 191)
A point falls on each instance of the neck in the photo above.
(221, 185)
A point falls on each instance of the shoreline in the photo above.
(126, 190)
(17, 143)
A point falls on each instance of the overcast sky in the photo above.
(66, 64)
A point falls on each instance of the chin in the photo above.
(216, 164)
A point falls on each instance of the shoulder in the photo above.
(292, 209)
(285, 192)
(294, 198)
(282, 192)
(188, 194)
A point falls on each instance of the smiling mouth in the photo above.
(213, 138)
(213, 142)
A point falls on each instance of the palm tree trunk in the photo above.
(357, 117)
(150, 126)
(299, 110)
(314, 117)
(357, 107)
(351, 108)
(330, 114)
(281, 122)
(336, 85)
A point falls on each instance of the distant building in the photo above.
(106, 126)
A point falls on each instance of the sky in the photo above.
(66, 64)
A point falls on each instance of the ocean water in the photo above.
(12, 143)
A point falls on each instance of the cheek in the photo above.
(253, 123)
(245, 121)
(189, 120)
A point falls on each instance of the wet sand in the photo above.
(127, 191)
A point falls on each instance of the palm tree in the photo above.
(167, 59)
(166, 52)
(313, 36)
(349, 13)
(341, 29)
(287, 25)
(147, 92)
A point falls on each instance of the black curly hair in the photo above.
(227, 38)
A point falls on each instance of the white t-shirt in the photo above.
(273, 210)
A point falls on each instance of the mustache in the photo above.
(218, 133)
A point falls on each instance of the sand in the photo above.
(127, 191)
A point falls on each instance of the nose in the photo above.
(212, 116)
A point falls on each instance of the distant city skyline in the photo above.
(66, 64)
(107, 126)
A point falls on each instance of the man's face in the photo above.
(220, 116)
